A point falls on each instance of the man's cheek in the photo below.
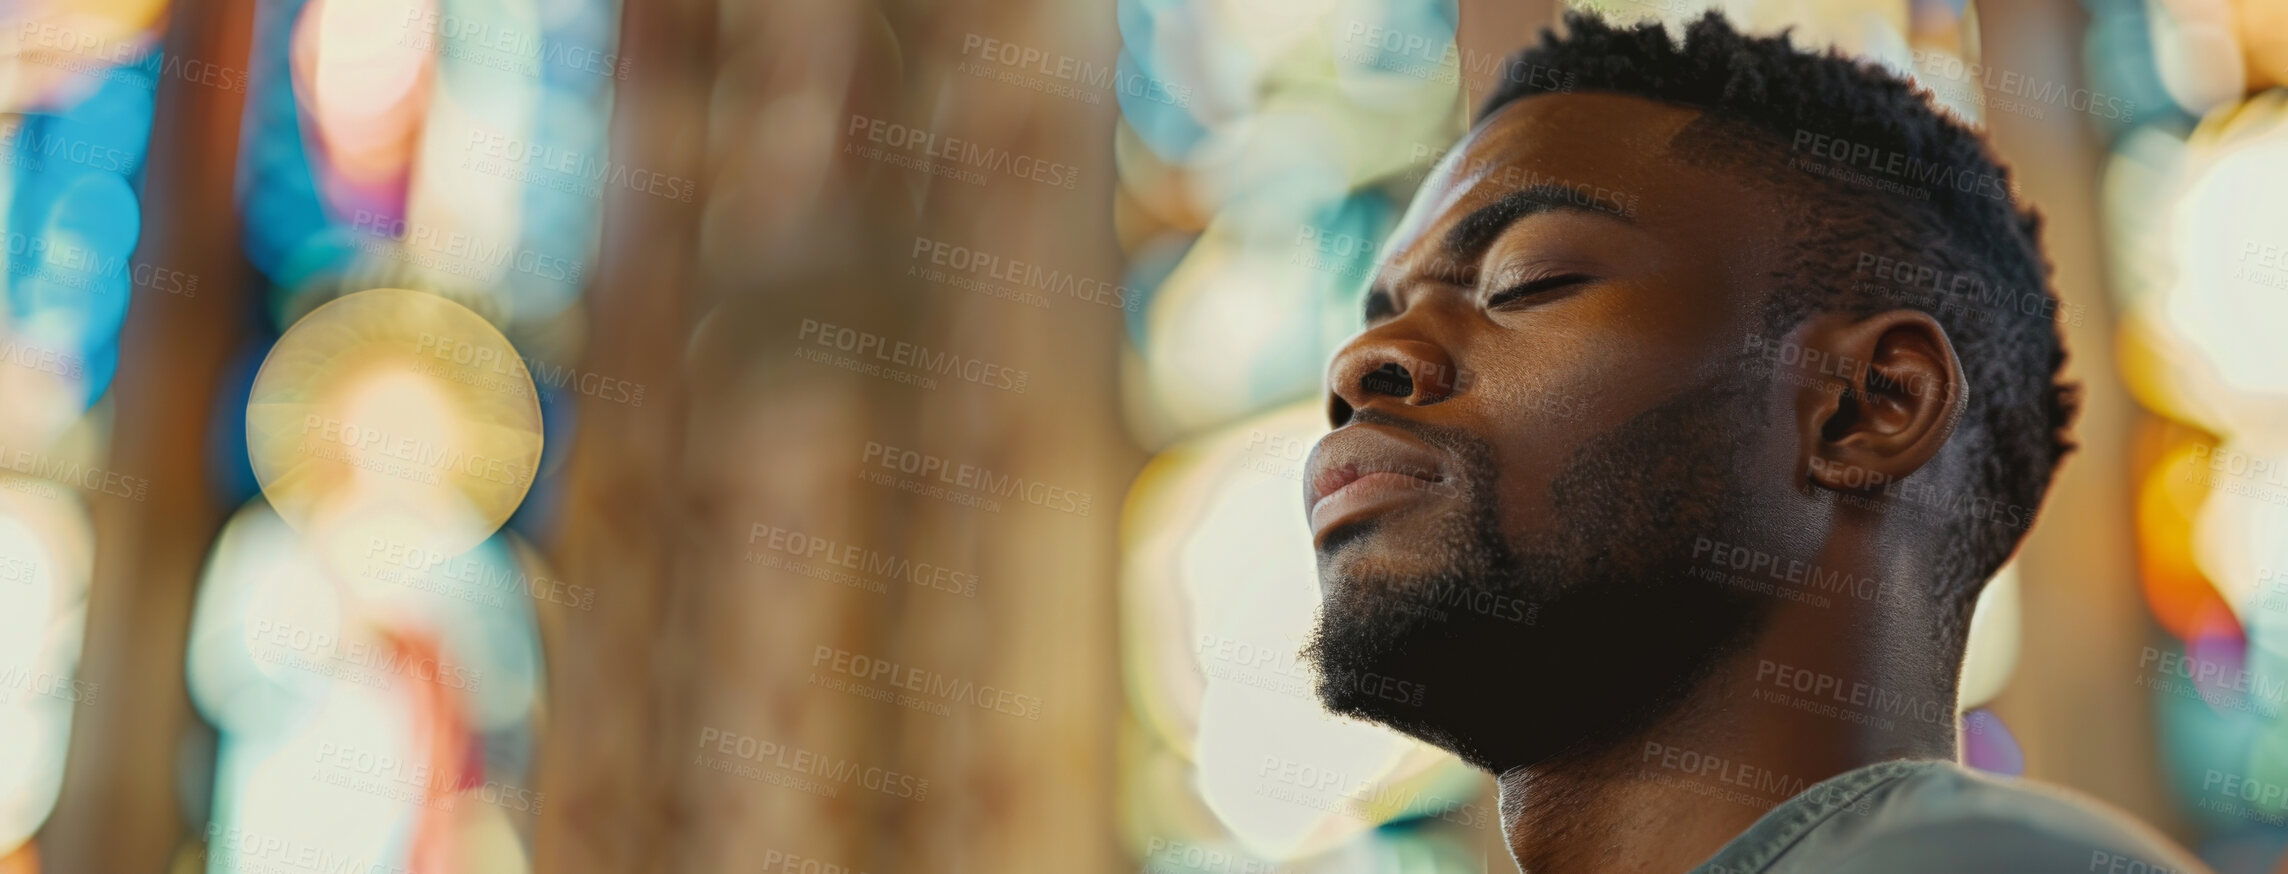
(1521, 497)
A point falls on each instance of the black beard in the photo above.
(1574, 639)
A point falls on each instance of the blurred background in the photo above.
(559, 435)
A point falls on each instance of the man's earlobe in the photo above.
(1888, 394)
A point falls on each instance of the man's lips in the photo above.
(1362, 470)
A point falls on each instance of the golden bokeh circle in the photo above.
(394, 422)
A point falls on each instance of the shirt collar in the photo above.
(1782, 827)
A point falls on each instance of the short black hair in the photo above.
(1930, 200)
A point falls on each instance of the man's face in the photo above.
(1547, 410)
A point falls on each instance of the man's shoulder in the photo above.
(1942, 817)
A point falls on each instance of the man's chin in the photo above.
(1490, 733)
(1393, 651)
(1499, 681)
(1381, 555)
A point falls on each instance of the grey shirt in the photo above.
(1931, 816)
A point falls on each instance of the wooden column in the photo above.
(609, 685)
(117, 810)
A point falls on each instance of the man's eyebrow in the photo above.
(1485, 223)
(1478, 229)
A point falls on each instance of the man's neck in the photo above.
(1798, 706)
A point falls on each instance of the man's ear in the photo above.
(1887, 395)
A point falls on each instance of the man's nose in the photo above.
(1415, 373)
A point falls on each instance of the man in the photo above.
(1738, 365)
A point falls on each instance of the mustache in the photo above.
(1450, 439)
(1475, 456)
